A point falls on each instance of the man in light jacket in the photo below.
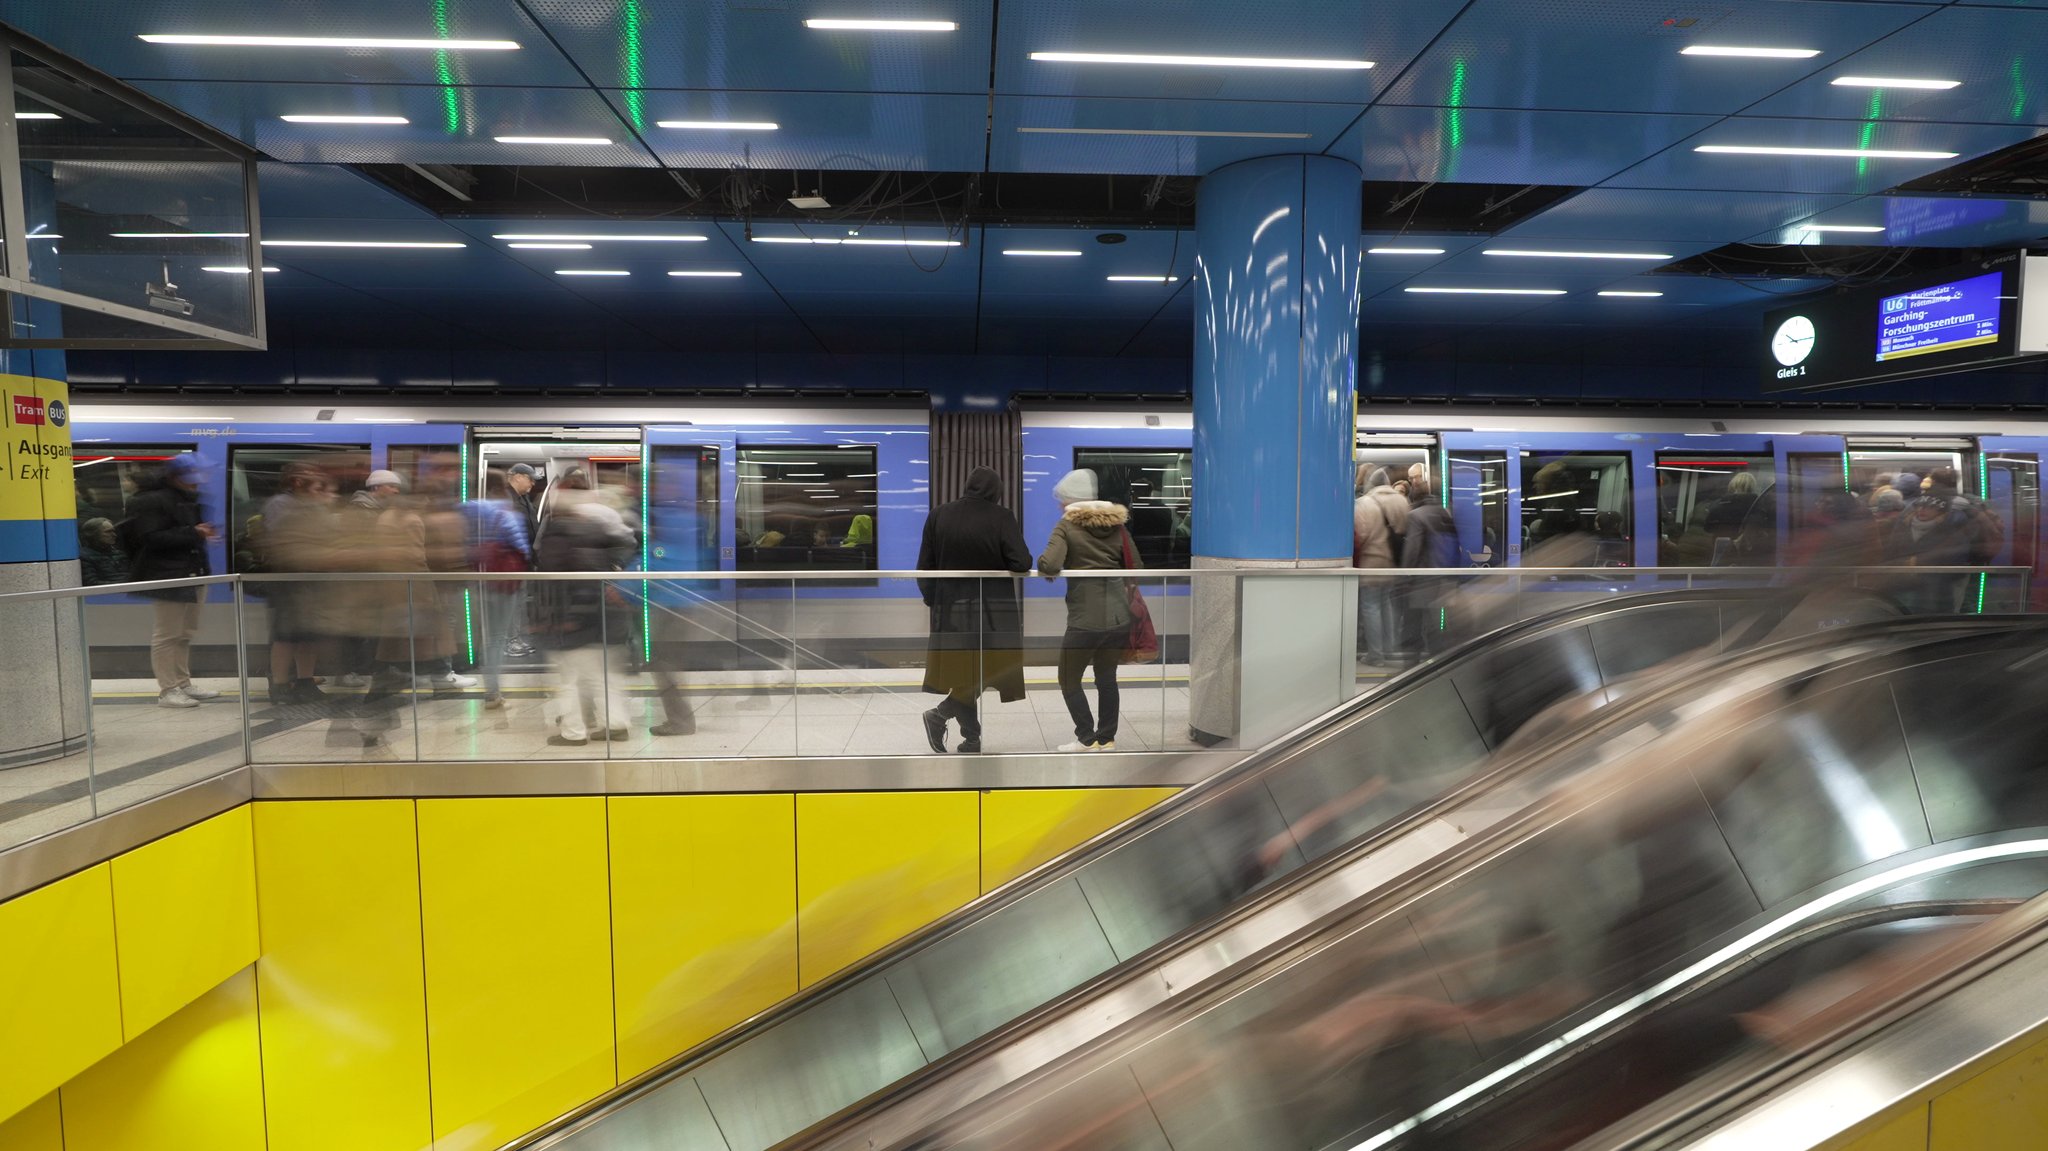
(1378, 520)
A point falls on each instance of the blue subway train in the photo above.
(844, 489)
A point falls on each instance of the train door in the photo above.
(2009, 482)
(105, 477)
(259, 472)
(1402, 456)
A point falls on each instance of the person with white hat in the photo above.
(1090, 536)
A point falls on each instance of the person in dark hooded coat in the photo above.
(977, 625)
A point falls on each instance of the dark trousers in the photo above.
(1101, 650)
(963, 711)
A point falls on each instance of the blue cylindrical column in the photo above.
(1276, 368)
(1276, 360)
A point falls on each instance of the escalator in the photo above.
(1426, 745)
(1760, 874)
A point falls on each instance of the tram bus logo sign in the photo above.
(56, 413)
(28, 409)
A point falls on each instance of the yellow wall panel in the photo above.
(184, 915)
(874, 866)
(1022, 829)
(60, 997)
(518, 958)
(1906, 1131)
(703, 917)
(39, 1128)
(341, 982)
(193, 1083)
(2005, 1105)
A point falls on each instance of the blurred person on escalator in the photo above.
(1379, 517)
(167, 534)
(977, 624)
(1090, 536)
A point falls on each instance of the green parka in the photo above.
(1090, 536)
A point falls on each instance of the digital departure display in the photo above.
(1958, 314)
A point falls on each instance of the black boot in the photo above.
(935, 730)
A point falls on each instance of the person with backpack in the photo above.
(1378, 519)
(167, 534)
(1431, 541)
(1091, 535)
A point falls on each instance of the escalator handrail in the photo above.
(1246, 772)
(1187, 1003)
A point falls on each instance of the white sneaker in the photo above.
(1073, 746)
(1105, 745)
(175, 697)
(447, 680)
(197, 692)
(353, 679)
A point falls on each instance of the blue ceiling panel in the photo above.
(1623, 55)
(105, 34)
(1922, 221)
(816, 130)
(2000, 57)
(445, 125)
(323, 192)
(1154, 137)
(1683, 167)
(1676, 216)
(763, 44)
(1080, 284)
(1506, 147)
(1388, 33)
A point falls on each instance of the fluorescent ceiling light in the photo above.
(1894, 82)
(359, 244)
(45, 236)
(592, 272)
(856, 240)
(179, 235)
(1141, 279)
(1579, 255)
(1634, 295)
(315, 119)
(1842, 227)
(705, 274)
(1752, 53)
(332, 42)
(1845, 153)
(828, 25)
(1040, 252)
(721, 125)
(580, 238)
(554, 247)
(579, 141)
(37, 116)
(1486, 291)
(236, 271)
(1404, 251)
(1165, 132)
(1202, 61)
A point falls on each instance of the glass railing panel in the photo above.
(167, 690)
(45, 760)
(707, 665)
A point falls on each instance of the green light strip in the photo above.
(2019, 88)
(1870, 129)
(1845, 471)
(1456, 119)
(631, 43)
(1983, 493)
(468, 627)
(646, 534)
(451, 103)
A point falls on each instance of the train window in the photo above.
(257, 474)
(427, 468)
(2012, 490)
(806, 508)
(1577, 510)
(685, 520)
(1717, 509)
(1157, 485)
(104, 478)
(1479, 505)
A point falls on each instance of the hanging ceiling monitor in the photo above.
(1975, 316)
